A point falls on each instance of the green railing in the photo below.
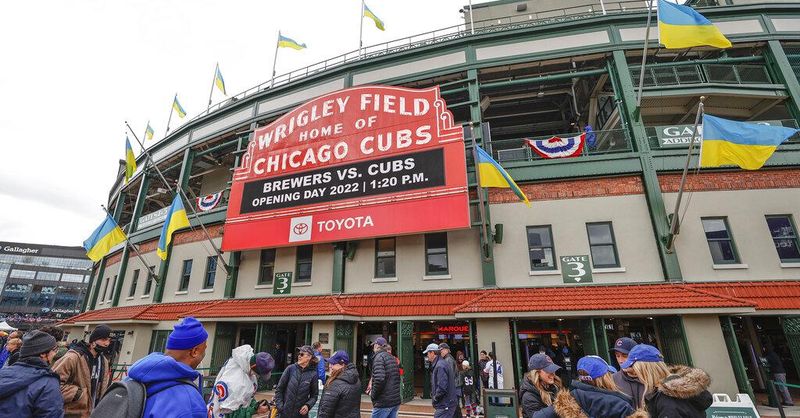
(606, 142)
(661, 75)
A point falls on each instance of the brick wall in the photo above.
(572, 189)
(189, 236)
(114, 259)
(732, 180)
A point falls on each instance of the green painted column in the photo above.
(337, 281)
(779, 62)
(141, 196)
(405, 352)
(233, 277)
(98, 279)
(624, 89)
(735, 354)
(522, 364)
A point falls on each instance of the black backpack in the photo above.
(126, 399)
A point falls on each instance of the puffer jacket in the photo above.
(385, 381)
(342, 396)
(30, 389)
(566, 406)
(597, 402)
(76, 381)
(531, 400)
(684, 393)
(443, 386)
(296, 388)
(630, 386)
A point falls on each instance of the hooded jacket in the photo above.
(169, 395)
(684, 393)
(565, 406)
(30, 389)
(235, 386)
(76, 380)
(385, 381)
(597, 402)
(443, 385)
(630, 386)
(296, 388)
(531, 400)
(342, 397)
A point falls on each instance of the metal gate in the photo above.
(405, 350)
(791, 329)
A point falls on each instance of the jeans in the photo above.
(385, 412)
(444, 413)
(783, 390)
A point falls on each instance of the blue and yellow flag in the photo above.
(177, 107)
(285, 42)
(681, 26)
(105, 237)
(176, 219)
(219, 81)
(746, 144)
(378, 22)
(149, 132)
(130, 160)
(493, 175)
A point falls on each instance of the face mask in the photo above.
(102, 350)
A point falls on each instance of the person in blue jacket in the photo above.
(29, 388)
(321, 364)
(596, 393)
(443, 384)
(173, 384)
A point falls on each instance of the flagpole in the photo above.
(644, 53)
(133, 247)
(674, 228)
(361, 29)
(275, 60)
(213, 80)
(183, 195)
(171, 109)
(471, 22)
(479, 189)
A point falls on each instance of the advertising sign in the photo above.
(676, 136)
(576, 269)
(358, 163)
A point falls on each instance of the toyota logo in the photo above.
(300, 228)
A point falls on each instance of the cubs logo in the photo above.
(221, 390)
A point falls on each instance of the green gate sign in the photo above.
(576, 269)
(282, 284)
(730, 412)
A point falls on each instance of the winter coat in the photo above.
(385, 381)
(342, 396)
(320, 366)
(169, 395)
(4, 355)
(630, 386)
(296, 388)
(76, 381)
(235, 386)
(443, 385)
(531, 400)
(684, 393)
(566, 406)
(467, 381)
(597, 402)
(30, 389)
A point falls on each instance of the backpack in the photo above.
(126, 399)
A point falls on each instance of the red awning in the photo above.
(767, 295)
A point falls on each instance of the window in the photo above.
(436, 254)
(22, 274)
(266, 266)
(720, 241)
(385, 257)
(785, 237)
(47, 275)
(211, 272)
(105, 289)
(185, 275)
(113, 288)
(149, 284)
(134, 282)
(72, 278)
(158, 341)
(540, 248)
(303, 267)
(602, 245)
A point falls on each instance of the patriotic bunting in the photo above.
(557, 147)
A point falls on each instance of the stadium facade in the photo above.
(588, 262)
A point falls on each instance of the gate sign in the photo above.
(358, 163)
(282, 284)
(576, 269)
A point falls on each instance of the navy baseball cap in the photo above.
(594, 366)
(380, 341)
(623, 345)
(339, 357)
(642, 352)
(542, 361)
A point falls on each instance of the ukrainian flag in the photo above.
(130, 160)
(745, 144)
(285, 42)
(219, 81)
(176, 219)
(105, 237)
(682, 27)
(177, 107)
(149, 132)
(378, 22)
(493, 175)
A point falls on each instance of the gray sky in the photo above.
(73, 71)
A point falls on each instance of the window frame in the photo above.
(736, 257)
(262, 265)
(186, 276)
(134, 283)
(790, 218)
(105, 289)
(298, 262)
(379, 257)
(211, 272)
(446, 255)
(148, 286)
(613, 245)
(113, 285)
(552, 247)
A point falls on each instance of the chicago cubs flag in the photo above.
(208, 202)
(556, 147)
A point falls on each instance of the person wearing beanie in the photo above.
(29, 388)
(174, 387)
(298, 387)
(236, 383)
(85, 373)
(342, 395)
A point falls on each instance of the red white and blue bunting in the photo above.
(556, 147)
(208, 202)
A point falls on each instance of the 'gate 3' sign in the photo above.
(358, 163)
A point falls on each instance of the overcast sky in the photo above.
(72, 71)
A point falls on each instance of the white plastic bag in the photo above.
(234, 386)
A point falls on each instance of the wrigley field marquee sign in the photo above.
(358, 163)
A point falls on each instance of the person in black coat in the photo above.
(342, 395)
(29, 388)
(443, 385)
(385, 391)
(540, 387)
(297, 390)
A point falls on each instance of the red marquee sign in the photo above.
(358, 163)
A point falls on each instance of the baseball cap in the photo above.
(595, 366)
(642, 352)
(431, 347)
(305, 349)
(339, 357)
(542, 361)
(464, 363)
(380, 341)
(444, 346)
(264, 364)
(623, 345)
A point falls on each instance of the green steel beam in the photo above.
(337, 282)
(233, 278)
(779, 63)
(542, 79)
(726, 60)
(137, 212)
(623, 86)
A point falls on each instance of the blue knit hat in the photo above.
(186, 334)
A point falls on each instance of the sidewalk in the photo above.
(767, 412)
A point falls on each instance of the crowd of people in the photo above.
(40, 377)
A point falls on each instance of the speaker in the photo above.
(498, 233)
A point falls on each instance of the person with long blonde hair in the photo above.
(677, 391)
(595, 393)
(540, 387)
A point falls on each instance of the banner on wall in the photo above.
(358, 163)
